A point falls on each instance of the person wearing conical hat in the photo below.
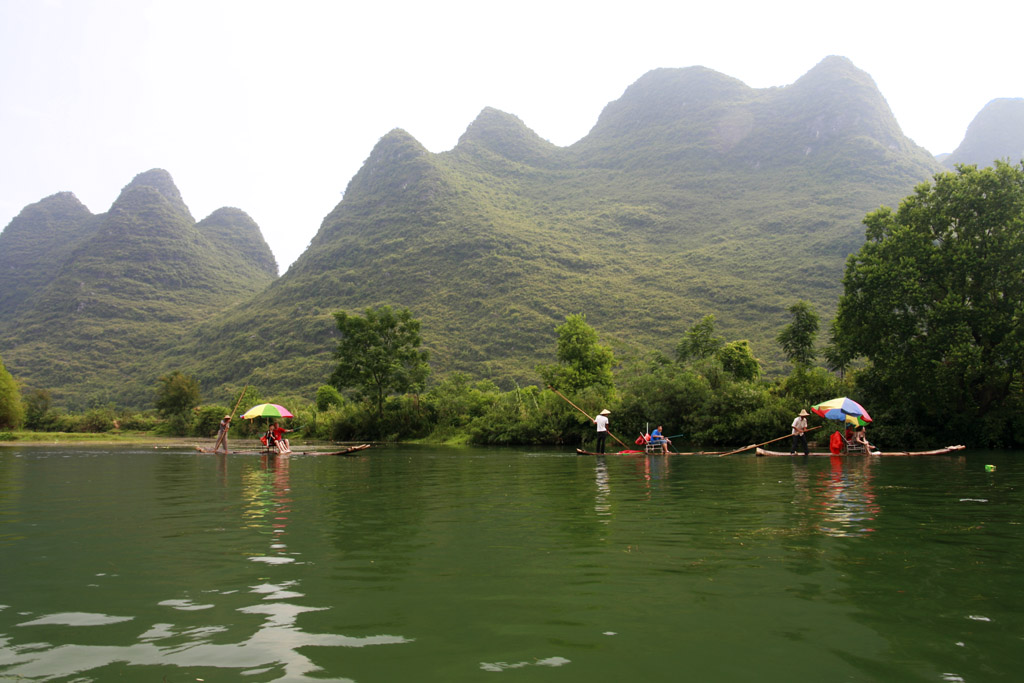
(222, 434)
(602, 429)
(799, 432)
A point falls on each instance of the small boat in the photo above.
(937, 451)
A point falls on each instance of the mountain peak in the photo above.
(395, 166)
(664, 96)
(997, 132)
(149, 186)
(507, 136)
(233, 229)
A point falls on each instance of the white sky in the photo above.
(272, 106)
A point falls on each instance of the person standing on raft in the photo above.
(799, 433)
(602, 429)
(222, 434)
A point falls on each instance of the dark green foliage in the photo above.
(738, 359)
(327, 396)
(797, 338)
(935, 301)
(37, 409)
(12, 411)
(582, 362)
(176, 395)
(699, 342)
(530, 415)
(206, 420)
(379, 354)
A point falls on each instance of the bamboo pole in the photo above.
(757, 445)
(585, 413)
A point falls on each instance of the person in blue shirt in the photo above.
(658, 437)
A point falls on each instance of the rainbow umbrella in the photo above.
(267, 410)
(843, 409)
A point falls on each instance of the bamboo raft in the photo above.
(580, 451)
(348, 451)
(938, 451)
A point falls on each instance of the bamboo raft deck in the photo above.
(761, 452)
(348, 451)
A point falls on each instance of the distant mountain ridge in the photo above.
(997, 132)
(692, 194)
(106, 294)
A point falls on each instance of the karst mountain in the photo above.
(692, 194)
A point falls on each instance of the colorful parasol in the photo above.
(843, 409)
(267, 410)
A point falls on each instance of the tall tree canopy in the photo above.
(12, 411)
(797, 338)
(379, 354)
(176, 395)
(699, 341)
(582, 361)
(935, 300)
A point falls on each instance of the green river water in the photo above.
(464, 564)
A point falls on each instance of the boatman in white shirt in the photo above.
(602, 428)
(799, 432)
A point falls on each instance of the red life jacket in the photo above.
(835, 443)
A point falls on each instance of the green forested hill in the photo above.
(693, 194)
(997, 132)
(119, 288)
(33, 248)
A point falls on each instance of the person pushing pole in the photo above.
(606, 412)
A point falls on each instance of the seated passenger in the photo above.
(861, 436)
(278, 435)
(658, 438)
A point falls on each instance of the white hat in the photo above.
(605, 412)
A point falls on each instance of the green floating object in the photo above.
(990, 468)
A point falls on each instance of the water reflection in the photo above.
(602, 506)
(841, 499)
(66, 644)
(273, 647)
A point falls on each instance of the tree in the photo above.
(12, 412)
(327, 396)
(582, 361)
(379, 354)
(797, 338)
(700, 341)
(37, 409)
(738, 359)
(935, 301)
(176, 395)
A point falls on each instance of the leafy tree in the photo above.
(700, 341)
(379, 354)
(935, 300)
(738, 359)
(837, 358)
(176, 395)
(12, 412)
(582, 361)
(797, 338)
(327, 396)
(37, 409)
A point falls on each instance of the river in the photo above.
(418, 563)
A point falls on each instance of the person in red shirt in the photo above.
(277, 433)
